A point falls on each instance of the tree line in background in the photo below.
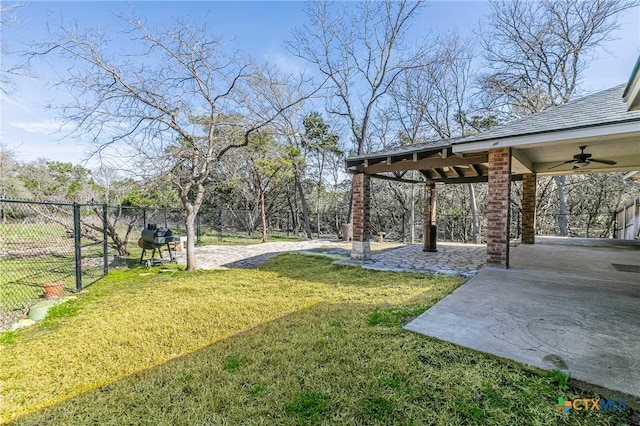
(203, 126)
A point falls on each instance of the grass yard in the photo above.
(296, 341)
(241, 238)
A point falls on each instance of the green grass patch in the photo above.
(308, 407)
(257, 390)
(288, 343)
(8, 337)
(394, 316)
(378, 408)
(320, 254)
(64, 310)
(238, 238)
(232, 363)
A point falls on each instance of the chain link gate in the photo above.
(48, 248)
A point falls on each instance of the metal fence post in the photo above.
(198, 229)
(144, 218)
(166, 224)
(77, 241)
(105, 246)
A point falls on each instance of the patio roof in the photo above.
(433, 159)
(631, 93)
(603, 108)
(539, 142)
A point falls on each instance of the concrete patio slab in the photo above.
(560, 306)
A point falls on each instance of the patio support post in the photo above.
(498, 201)
(360, 248)
(529, 208)
(430, 219)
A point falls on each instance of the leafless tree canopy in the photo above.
(431, 102)
(177, 98)
(8, 18)
(360, 50)
(537, 50)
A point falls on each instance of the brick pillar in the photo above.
(528, 208)
(430, 217)
(360, 248)
(498, 207)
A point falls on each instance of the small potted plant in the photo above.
(53, 290)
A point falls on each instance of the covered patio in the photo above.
(599, 133)
(550, 303)
(564, 304)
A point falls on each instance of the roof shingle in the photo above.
(599, 109)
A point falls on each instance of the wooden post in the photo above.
(528, 208)
(430, 218)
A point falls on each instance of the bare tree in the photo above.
(289, 127)
(177, 97)
(360, 50)
(8, 19)
(434, 101)
(10, 184)
(537, 52)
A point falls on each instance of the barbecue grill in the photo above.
(153, 238)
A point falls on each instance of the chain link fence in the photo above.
(48, 250)
(459, 227)
(43, 243)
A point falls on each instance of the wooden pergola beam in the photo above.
(426, 163)
(395, 179)
(440, 172)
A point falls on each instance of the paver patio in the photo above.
(451, 258)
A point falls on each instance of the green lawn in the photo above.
(233, 238)
(296, 341)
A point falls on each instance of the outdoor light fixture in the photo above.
(580, 164)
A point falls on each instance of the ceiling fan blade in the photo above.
(562, 164)
(609, 162)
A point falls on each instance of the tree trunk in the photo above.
(562, 202)
(318, 194)
(190, 225)
(305, 210)
(292, 211)
(263, 217)
(350, 211)
(474, 214)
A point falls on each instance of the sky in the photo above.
(32, 130)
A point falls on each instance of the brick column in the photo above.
(360, 248)
(498, 207)
(528, 208)
(430, 217)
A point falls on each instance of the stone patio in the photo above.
(451, 258)
(245, 256)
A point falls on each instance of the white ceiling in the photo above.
(539, 158)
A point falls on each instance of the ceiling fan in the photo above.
(583, 159)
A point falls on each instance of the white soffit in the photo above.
(552, 137)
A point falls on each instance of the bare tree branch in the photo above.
(177, 99)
